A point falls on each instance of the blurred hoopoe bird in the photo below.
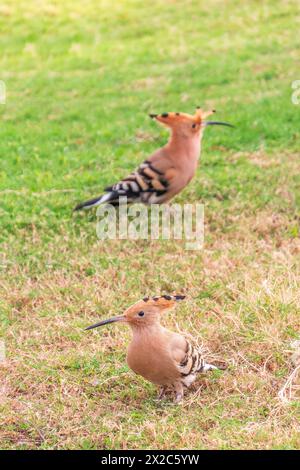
(163, 357)
(169, 169)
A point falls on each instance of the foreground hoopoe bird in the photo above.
(163, 357)
(169, 169)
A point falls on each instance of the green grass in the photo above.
(81, 79)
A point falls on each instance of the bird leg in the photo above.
(161, 392)
(179, 392)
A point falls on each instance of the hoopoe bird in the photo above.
(169, 169)
(163, 357)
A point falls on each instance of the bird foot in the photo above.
(179, 397)
(161, 393)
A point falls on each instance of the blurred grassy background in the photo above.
(81, 79)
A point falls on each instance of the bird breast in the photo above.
(152, 359)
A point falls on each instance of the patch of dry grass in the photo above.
(65, 388)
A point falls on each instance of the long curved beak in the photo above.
(105, 322)
(217, 123)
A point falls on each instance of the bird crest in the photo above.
(173, 118)
(201, 115)
(162, 302)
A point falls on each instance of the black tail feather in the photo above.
(87, 204)
(111, 198)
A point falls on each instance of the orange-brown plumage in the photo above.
(163, 357)
(169, 169)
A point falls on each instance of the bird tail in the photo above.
(96, 201)
(206, 367)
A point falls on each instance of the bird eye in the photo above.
(141, 314)
(193, 126)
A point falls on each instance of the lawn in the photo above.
(81, 78)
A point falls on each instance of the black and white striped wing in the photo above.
(192, 362)
(146, 184)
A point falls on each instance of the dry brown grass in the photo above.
(64, 388)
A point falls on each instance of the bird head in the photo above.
(145, 312)
(187, 124)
